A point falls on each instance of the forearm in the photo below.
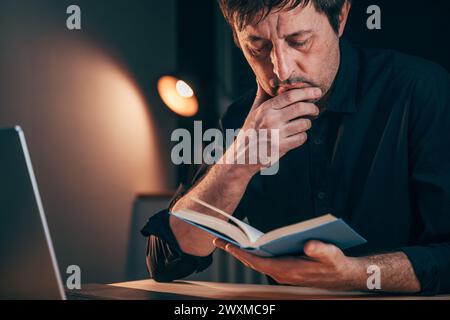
(396, 273)
(223, 187)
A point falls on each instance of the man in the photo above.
(363, 135)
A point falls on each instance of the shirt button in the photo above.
(318, 141)
(321, 195)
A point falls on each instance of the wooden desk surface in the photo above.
(227, 291)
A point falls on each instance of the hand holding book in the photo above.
(288, 240)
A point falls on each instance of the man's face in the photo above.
(292, 49)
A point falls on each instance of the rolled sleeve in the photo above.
(165, 260)
(425, 268)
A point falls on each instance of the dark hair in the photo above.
(244, 12)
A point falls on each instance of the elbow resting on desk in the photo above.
(166, 263)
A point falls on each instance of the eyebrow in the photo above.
(254, 38)
(298, 33)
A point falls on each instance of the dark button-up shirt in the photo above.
(377, 157)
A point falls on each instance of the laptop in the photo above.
(28, 266)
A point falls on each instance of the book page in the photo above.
(295, 228)
(214, 223)
(252, 234)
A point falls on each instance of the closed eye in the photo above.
(257, 51)
(297, 44)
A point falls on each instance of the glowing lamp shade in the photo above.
(178, 96)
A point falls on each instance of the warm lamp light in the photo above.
(178, 96)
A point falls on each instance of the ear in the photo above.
(343, 16)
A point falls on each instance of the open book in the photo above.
(282, 241)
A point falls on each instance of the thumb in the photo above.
(322, 251)
(261, 96)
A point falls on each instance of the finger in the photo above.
(299, 109)
(295, 95)
(322, 251)
(293, 141)
(295, 127)
(261, 96)
(219, 243)
(246, 258)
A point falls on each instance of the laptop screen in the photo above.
(28, 268)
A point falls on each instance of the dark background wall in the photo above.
(415, 27)
(96, 129)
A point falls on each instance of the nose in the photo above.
(283, 65)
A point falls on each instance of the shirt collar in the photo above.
(343, 95)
